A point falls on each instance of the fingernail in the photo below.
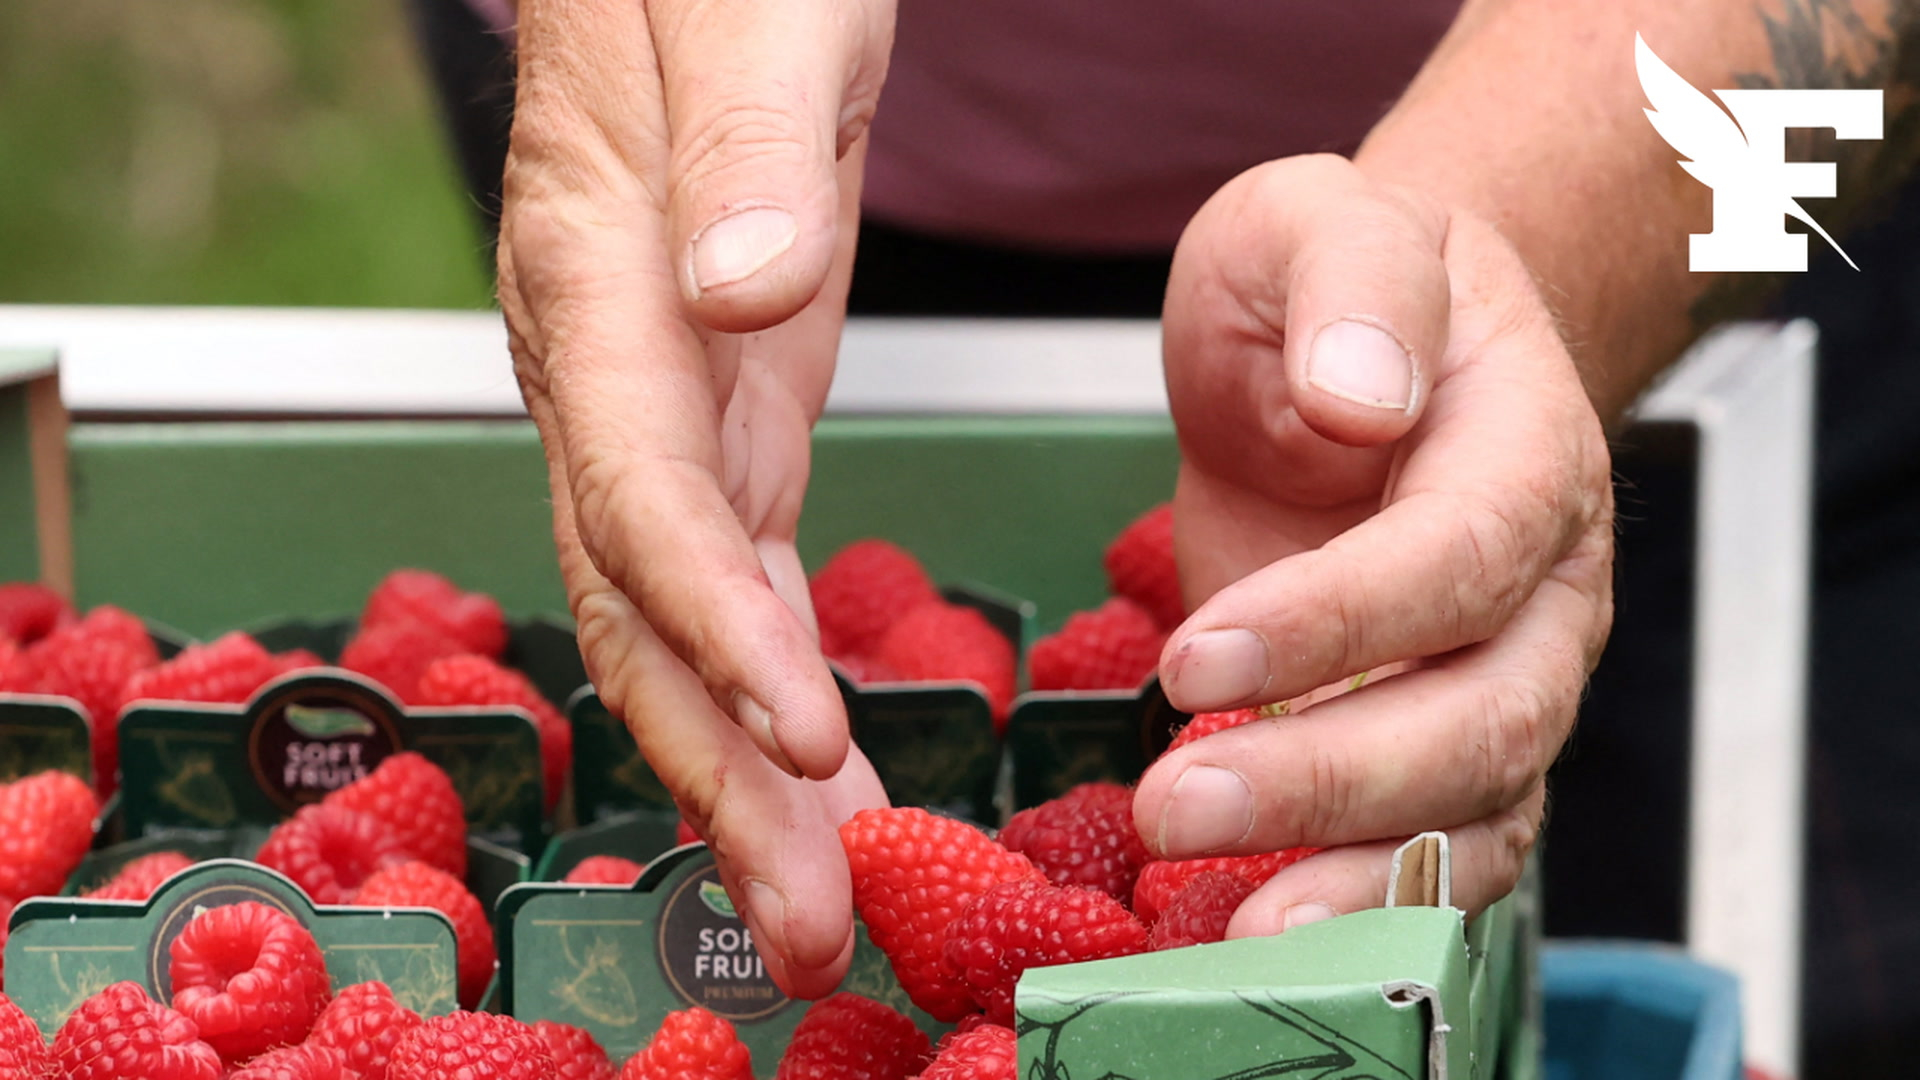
(766, 915)
(1301, 914)
(757, 720)
(1361, 363)
(736, 247)
(1208, 808)
(1218, 668)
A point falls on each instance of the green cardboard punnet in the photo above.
(932, 744)
(1059, 739)
(40, 732)
(616, 961)
(59, 952)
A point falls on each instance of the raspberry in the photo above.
(24, 1053)
(250, 977)
(1140, 567)
(849, 1037)
(421, 596)
(692, 1044)
(988, 1052)
(286, 663)
(395, 654)
(91, 662)
(304, 1062)
(1018, 925)
(46, 826)
(9, 653)
(228, 670)
(1200, 912)
(604, 870)
(938, 642)
(329, 850)
(364, 1022)
(1207, 723)
(29, 612)
(139, 879)
(417, 802)
(862, 591)
(6, 912)
(471, 1046)
(1160, 881)
(415, 884)
(1085, 837)
(1113, 647)
(475, 680)
(577, 1055)
(913, 874)
(121, 1034)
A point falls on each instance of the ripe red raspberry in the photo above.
(1113, 647)
(330, 851)
(250, 977)
(121, 1034)
(396, 654)
(475, 680)
(9, 653)
(913, 874)
(862, 591)
(988, 1052)
(1018, 925)
(24, 1053)
(692, 1044)
(604, 870)
(29, 612)
(1200, 912)
(1085, 837)
(471, 1046)
(470, 618)
(227, 670)
(937, 642)
(1207, 723)
(1160, 881)
(365, 1023)
(304, 1062)
(286, 663)
(415, 800)
(91, 662)
(415, 884)
(577, 1055)
(46, 827)
(138, 879)
(849, 1037)
(1140, 566)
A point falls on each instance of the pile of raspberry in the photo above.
(420, 636)
(1117, 645)
(251, 999)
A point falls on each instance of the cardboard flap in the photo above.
(1422, 874)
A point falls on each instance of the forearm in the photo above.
(1530, 115)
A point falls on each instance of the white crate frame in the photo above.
(1748, 390)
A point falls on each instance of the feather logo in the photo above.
(1742, 164)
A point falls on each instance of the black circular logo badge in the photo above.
(707, 954)
(315, 734)
(182, 909)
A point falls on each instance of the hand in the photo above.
(676, 240)
(1388, 460)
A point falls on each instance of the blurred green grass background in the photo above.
(225, 152)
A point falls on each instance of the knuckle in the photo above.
(605, 647)
(1487, 579)
(596, 487)
(1324, 817)
(1513, 747)
(737, 139)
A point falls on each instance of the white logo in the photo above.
(1743, 158)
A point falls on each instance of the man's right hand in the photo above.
(675, 246)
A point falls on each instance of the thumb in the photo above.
(762, 98)
(1349, 275)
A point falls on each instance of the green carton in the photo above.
(61, 951)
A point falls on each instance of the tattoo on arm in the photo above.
(1830, 44)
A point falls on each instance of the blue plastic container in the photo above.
(1633, 1011)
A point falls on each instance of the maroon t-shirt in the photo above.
(1102, 125)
